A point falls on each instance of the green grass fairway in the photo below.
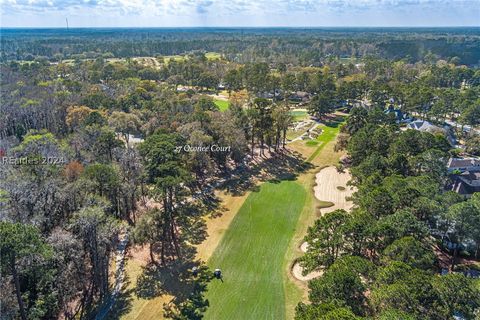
(251, 255)
(328, 134)
(222, 104)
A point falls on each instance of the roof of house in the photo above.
(471, 178)
(426, 126)
(459, 187)
(301, 94)
(422, 125)
(463, 163)
(463, 186)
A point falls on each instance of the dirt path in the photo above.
(119, 277)
(331, 186)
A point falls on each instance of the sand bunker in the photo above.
(328, 181)
(304, 247)
(297, 269)
(331, 186)
(297, 273)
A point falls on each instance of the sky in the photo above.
(239, 13)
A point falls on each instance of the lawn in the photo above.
(312, 143)
(299, 115)
(222, 104)
(328, 134)
(213, 55)
(252, 254)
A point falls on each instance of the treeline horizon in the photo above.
(310, 46)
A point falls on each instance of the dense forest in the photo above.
(379, 259)
(302, 46)
(93, 152)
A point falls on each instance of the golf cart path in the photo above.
(300, 137)
(327, 180)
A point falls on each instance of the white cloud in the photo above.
(244, 12)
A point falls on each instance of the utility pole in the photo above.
(66, 19)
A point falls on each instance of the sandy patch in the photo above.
(219, 96)
(297, 273)
(326, 189)
(304, 247)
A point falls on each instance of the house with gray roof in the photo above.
(466, 175)
(425, 126)
(463, 164)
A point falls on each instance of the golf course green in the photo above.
(252, 252)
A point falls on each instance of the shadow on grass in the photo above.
(123, 304)
(281, 166)
(175, 277)
(334, 122)
(178, 280)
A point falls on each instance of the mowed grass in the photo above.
(328, 134)
(223, 105)
(252, 253)
(298, 115)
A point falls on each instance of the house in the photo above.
(463, 164)
(399, 116)
(422, 125)
(425, 126)
(469, 273)
(361, 104)
(135, 139)
(277, 94)
(343, 104)
(182, 89)
(466, 183)
(300, 96)
(359, 66)
(265, 95)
